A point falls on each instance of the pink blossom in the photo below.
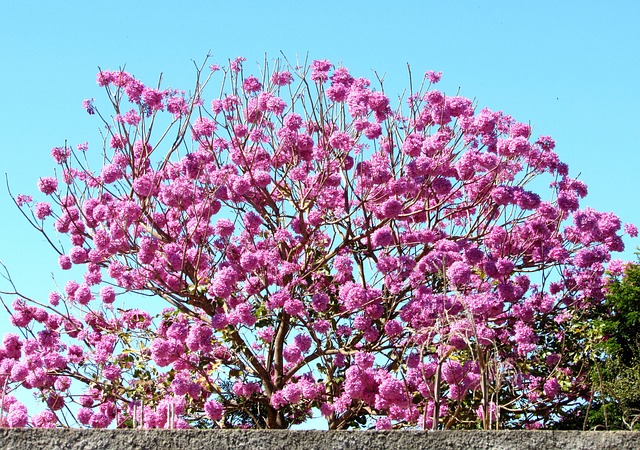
(65, 262)
(365, 360)
(43, 210)
(214, 410)
(111, 173)
(303, 341)
(393, 328)
(341, 141)
(107, 294)
(219, 321)
(459, 273)
(153, 98)
(44, 419)
(382, 237)
(292, 121)
(132, 117)
(320, 69)
(266, 334)
(87, 104)
(343, 264)
(78, 255)
(236, 64)
(392, 390)
(433, 76)
(82, 294)
(459, 106)
(321, 326)
(99, 420)
(54, 298)
(320, 301)
(452, 372)
(552, 388)
(353, 295)
(63, 383)
(118, 142)
(383, 423)
(249, 261)
(631, 229)
(104, 78)
(361, 323)
(276, 105)
(111, 372)
(84, 415)
(12, 346)
(281, 78)
(55, 402)
(373, 131)
(616, 267)
(60, 154)
(525, 338)
(337, 93)
(47, 185)
(391, 208)
(223, 282)
(22, 199)
(177, 105)
(294, 307)
(251, 84)
(203, 127)
(292, 353)
(18, 416)
(252, 222)
(435, 97)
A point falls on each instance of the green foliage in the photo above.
(612, 343)
(622, 327)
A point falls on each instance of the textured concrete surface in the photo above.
(31, 439)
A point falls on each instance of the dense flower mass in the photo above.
(315, 249)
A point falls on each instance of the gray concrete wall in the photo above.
(32, 439)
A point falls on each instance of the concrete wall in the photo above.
(32, 439)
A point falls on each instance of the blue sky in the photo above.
(568, 67)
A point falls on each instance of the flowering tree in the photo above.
(313, 249)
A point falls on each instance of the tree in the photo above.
(314, 249)
(614, 349)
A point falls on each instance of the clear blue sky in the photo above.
(569, 67)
